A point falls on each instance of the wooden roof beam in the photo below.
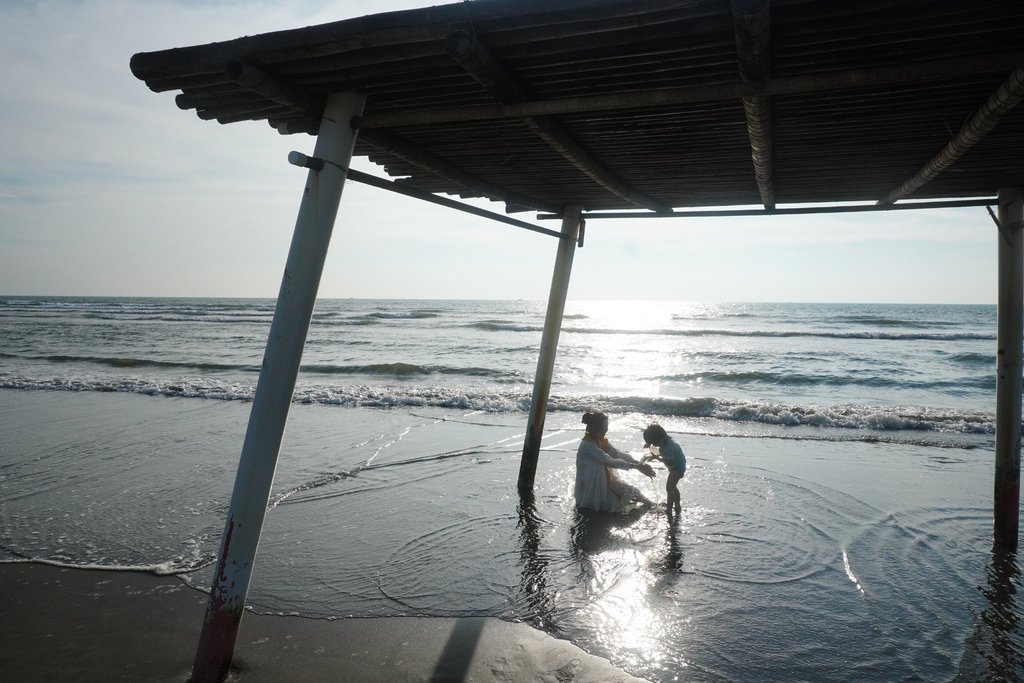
(788, 211)
(752, 22)
(399, 147)
(874, 77)
(472, 56)
(1007, 96)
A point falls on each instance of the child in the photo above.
(673, 458)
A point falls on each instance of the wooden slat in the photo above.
(823, 82)
(427, 161)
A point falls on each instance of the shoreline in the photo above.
(102, 625)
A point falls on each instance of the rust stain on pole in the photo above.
(221, 578)
(220, 625)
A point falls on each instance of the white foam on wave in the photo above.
(167, 568)
(872, 418)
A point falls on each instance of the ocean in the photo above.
(836, 516)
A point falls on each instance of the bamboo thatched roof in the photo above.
(620, 104)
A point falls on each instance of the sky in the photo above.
(108, 189)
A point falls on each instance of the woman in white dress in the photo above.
(597, 486)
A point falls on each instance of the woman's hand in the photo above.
(646, 469)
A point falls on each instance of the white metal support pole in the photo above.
(258, 461)
(1010, 339)
(548, 347)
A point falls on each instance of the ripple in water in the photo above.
(757, 557)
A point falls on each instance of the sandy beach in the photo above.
(81, 625)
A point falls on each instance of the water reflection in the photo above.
(994, 651)
(593, 532)
(533, 577)
(616, 588)
(628, 567)
(669, 566)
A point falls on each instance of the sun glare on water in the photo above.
(639, 348)
(622, 615)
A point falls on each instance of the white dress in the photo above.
(597, 487)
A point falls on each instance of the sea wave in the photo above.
(408, 315)
(500, 326)
(193, 312)
(979, 359)
(183, 309)
(128, 362)
(197, 318)
(747, 377)
(249, 313)
(712, 315)
(871, 418)
(395, 369)
(881, 321)
(409, 370)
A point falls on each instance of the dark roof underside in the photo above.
(924, 68)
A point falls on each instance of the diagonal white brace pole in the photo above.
(285, 343)
(548, 348)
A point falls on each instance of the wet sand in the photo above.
(62, 624)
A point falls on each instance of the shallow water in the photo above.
(836, 521)
(792, 560)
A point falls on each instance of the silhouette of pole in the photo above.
(1010, 334)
